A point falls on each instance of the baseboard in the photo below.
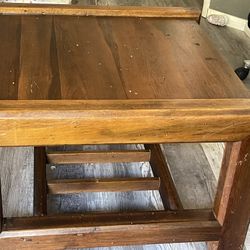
(247, 30)
(233, 21)
(206, 5)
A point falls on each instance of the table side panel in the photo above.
(138, 121)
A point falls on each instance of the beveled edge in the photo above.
(111, 11)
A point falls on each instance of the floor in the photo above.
(195, 167)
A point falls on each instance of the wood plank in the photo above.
(9, 53)
(232, 203)
(192, 174)
(109, 229)
(123, 58)
(86, 65)
(128, 121)
(40, 183)
(148, 73)
(129, 11)
(70, 186)
(17, 183)
(160, 168)
(105, 201)
(38, 77)
(79, 157)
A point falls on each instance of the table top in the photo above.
(72, 57)
(141, 76)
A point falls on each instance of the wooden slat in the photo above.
(10, 56)
(122, 121)
(232, 202)
(68, 186)
(78, 157)
(38, 79)
(125, 11)
(168, 192)
(40, 183)
(96, 76)
(109, 229)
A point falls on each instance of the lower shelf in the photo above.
(109, 229)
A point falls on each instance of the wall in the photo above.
(238, 8)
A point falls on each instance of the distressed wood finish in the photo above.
(70, 186)
(232, 203)
(79, 157)
(128, 121)
(109, 229)
(9, 54)
(40, 183)
(60, 57)
(125, 68)
(113, 11)
(169, 195)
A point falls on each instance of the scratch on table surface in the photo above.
(234, 124)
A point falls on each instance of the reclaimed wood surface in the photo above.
(124, 58)
(222, 36)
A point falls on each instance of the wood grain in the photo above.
(115, 229)
(60, 57)
(79, 157)
(40, 183)
(9, 54)
(134, 11)
(85, 60)
(192, 174)
(232, 204)
(169, 195)
(38, 77)
(105, 201)
(138, 121)
(70, 186)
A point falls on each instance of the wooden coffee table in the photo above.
(120, 75)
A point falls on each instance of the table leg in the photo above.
(40, 183)
(232, 201)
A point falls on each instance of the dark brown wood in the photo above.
(68, 186)
(160, 168)
(10, 56)
(109, 64)
(232, 202)
(38, 79)
(127, 11)
(128, 121)
(109, 229)
(78, 157)
(40, 184)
